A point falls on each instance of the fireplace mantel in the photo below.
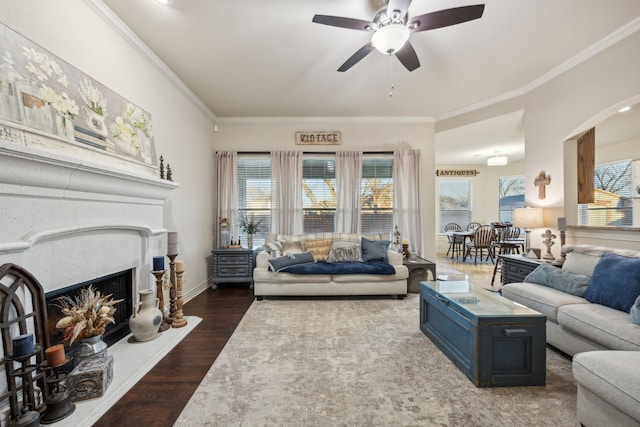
(68, 219)
(24, 170)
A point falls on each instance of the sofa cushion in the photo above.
(265, 276)
(319, 248)
(615, 282)
(540, 298)
(579, 263)
(611, 375)
(274, 249)
(374, 250)
(344, 251)
(605, 326)
(289, 248)
(280, 263)
(556, 278)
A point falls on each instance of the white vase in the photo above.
(145, 323)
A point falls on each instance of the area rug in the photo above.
(359, 362)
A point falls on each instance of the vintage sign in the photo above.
(456, 172)
(318, 138)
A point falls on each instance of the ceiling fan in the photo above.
(392, 27)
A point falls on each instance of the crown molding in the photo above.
(107, 15)
(328, 119)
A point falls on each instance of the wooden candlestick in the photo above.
(172, 288)
(164, 325)
(179, 321)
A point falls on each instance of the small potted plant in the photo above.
(250, 225)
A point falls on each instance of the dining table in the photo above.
(466, 235)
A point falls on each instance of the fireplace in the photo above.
(119, 285)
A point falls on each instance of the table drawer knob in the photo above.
(513, 333)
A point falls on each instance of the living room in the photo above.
(554, 109)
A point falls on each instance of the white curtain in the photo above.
(348, 176)
(227, 191)
(407, 198)
(286, 192)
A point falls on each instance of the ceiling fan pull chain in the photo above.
(391, 76)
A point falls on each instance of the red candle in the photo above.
(55, 355)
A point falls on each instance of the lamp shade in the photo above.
(390, 39)
(528, 217)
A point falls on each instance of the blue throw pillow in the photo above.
(557, 278)
(615, 282)
(374, 250)
(278, 264)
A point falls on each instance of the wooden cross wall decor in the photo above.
(541, 181)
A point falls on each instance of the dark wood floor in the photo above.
(159, 397)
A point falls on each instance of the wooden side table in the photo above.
(418, 272)
(516, 267)
(232, 266)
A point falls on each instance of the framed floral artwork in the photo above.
(45, 101)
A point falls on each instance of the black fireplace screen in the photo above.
(120, 285)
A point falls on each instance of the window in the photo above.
(319, 195)
(455, 202)
(254, 192)
(511, 191)
(376, 211)
(612, 205)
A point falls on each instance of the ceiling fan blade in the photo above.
(397, 9)
(339, 21)
(356, 57)
(408, 57)
(445, 18)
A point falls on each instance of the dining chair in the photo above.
(483, 240)
(455, 242)
(472, 226)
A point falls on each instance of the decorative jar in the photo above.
(145, 323)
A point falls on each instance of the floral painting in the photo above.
(43, 96)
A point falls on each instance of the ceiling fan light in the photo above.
(497, 161)
(390, 38)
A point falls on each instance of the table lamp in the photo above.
(528, 218)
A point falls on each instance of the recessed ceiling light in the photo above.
(624, 109)
(164, 1)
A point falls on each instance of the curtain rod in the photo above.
(313, 152)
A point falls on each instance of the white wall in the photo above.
(73, 31)
(366, 134)
(561, 108)
(485, 197)
(557, 110)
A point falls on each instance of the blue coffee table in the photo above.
(493, 340)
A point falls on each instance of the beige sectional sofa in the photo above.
(270, 283)
(603, 340)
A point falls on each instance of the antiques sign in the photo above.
(318, 138)
(456, 172)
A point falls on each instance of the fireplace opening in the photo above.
(119, 285)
